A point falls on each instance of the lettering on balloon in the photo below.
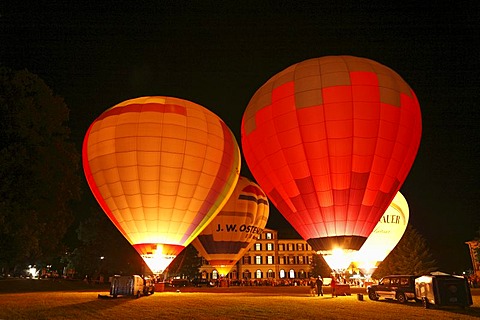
(248, 229)
(390, 219)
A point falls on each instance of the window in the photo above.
(258, 246)
(247, 260)
(270, 273)
(300, 259)
(269, 259)
(291, 260)
(258, 274)
(302, 274)
(247, 274)
(281, 247)
(299, 246)
(258, 259)
(215, 274)
(290, 247)
(270, 246)
(269, 236)
(291, 274)
(282, 274)
(281, 260)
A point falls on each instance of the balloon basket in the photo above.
(223, 283)
(160, 287)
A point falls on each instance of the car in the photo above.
(178, 282)
(202, 282)
(399, 287)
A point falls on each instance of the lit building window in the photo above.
(281, 247)
(291, 260)
(270, 273)
(215, 274)
(269, 259)
(270, 246)
(258, 246)
(281, 260)
(258, 259)
(290, 247)
(269, 236)
(282, 274)
(291, 274)
(258, 274)
(299, 246)
(300, 259)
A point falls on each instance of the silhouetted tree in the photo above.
(39, 168)
(410, 256)
(186, 265)
(103, 250)
(320, 267)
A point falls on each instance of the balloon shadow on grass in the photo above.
(91, 307)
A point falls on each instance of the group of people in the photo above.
(316, 286)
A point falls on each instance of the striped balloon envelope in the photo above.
(234, 230)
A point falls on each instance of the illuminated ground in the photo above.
(48, 300)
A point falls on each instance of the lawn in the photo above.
(45, 300)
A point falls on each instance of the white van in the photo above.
(127, 286)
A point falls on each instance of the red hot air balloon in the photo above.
(161, 168)
(331, 140)
(234, 230)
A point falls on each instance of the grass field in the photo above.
(43, 299)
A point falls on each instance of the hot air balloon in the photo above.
(234, 230)
(161, 168)
(330, 140)
(385, 236)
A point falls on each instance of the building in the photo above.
(269, 260)
(474, 245)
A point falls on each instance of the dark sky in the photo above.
(218, 55)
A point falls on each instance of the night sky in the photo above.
(218, 55)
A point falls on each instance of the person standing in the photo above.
(312, 287)
(333, 285)
(319, 284)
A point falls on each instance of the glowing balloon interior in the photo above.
(386, 235)
(234, 230)
(161, 168)
(330, 141)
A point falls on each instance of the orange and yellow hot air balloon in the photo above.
(161, 168)
(331, 140)
(234, 230)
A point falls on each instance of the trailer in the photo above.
(443, 290)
